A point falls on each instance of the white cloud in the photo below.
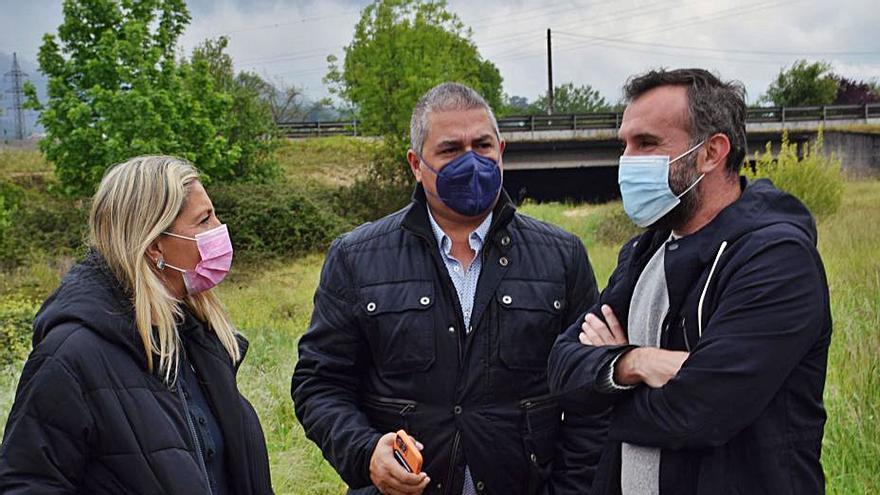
(748, 40)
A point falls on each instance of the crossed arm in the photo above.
(649, 365)
(771, 311)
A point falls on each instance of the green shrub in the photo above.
(41, 221)
(815, 179)
(16, 318)
(5, 213)
(274, 220)
(384, 187)
(615, 227)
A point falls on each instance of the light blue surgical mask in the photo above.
(644, 185)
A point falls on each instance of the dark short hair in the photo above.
(714, 106)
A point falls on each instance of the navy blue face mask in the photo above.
(469, 184)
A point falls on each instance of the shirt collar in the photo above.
(476, 239)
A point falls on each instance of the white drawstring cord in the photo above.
(705, 288)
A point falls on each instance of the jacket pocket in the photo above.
(542, 417)
(402, 331)
(528, 322)
(387, 414)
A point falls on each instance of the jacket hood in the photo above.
(92, 297)
(760, 205)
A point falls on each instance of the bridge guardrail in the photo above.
(318, 129)
(605, 120)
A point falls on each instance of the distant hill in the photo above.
(7, 124)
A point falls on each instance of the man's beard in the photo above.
(680, 178)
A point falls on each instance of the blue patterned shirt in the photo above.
(465, 281)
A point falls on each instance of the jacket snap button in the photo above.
(557, 304)
(506, 299)
(480, 486)
(371, 306)
(425, 300)
(456, 409)
(505, 240)
(451, 329)
(202, 421)
(503, 261)
(534, 458)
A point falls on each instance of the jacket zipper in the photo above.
(452, 458)
(401, 406)
(195, 439)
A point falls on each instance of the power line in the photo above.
(689, 21)
(288, 22)
(635, 12)
(719, 50)
(508, 20)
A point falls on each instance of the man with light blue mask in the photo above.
(709, 345)
(439, 320)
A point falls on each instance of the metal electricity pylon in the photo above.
(17, 91)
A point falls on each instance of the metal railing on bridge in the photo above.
(606, 120)
(319, 129)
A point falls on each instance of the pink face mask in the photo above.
(215, 247)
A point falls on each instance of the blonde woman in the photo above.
(131, 385)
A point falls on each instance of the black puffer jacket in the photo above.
(89, 418)
(386, 349)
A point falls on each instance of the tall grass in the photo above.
(272, 308)
(850, 246)
(272, 303)
(21, 161)
(334, 160)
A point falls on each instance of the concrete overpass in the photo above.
(574, 157)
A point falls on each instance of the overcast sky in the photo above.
(597, 42)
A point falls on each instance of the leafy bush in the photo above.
(815, 179)
(5, 213)
(615, 227)
(16, 318)
(385, 186)
(40, 221)
(274, 220)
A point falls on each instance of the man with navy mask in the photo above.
(439, 320)
(710, 342)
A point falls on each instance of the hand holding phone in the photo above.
(406, 453)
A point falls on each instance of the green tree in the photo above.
(401, 49)
(803, 84)
(238, 112)
(116, 90)
(513, 105)
(569, 98)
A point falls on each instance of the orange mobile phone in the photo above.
(406, 453)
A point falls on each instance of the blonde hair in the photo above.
(136, 201)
